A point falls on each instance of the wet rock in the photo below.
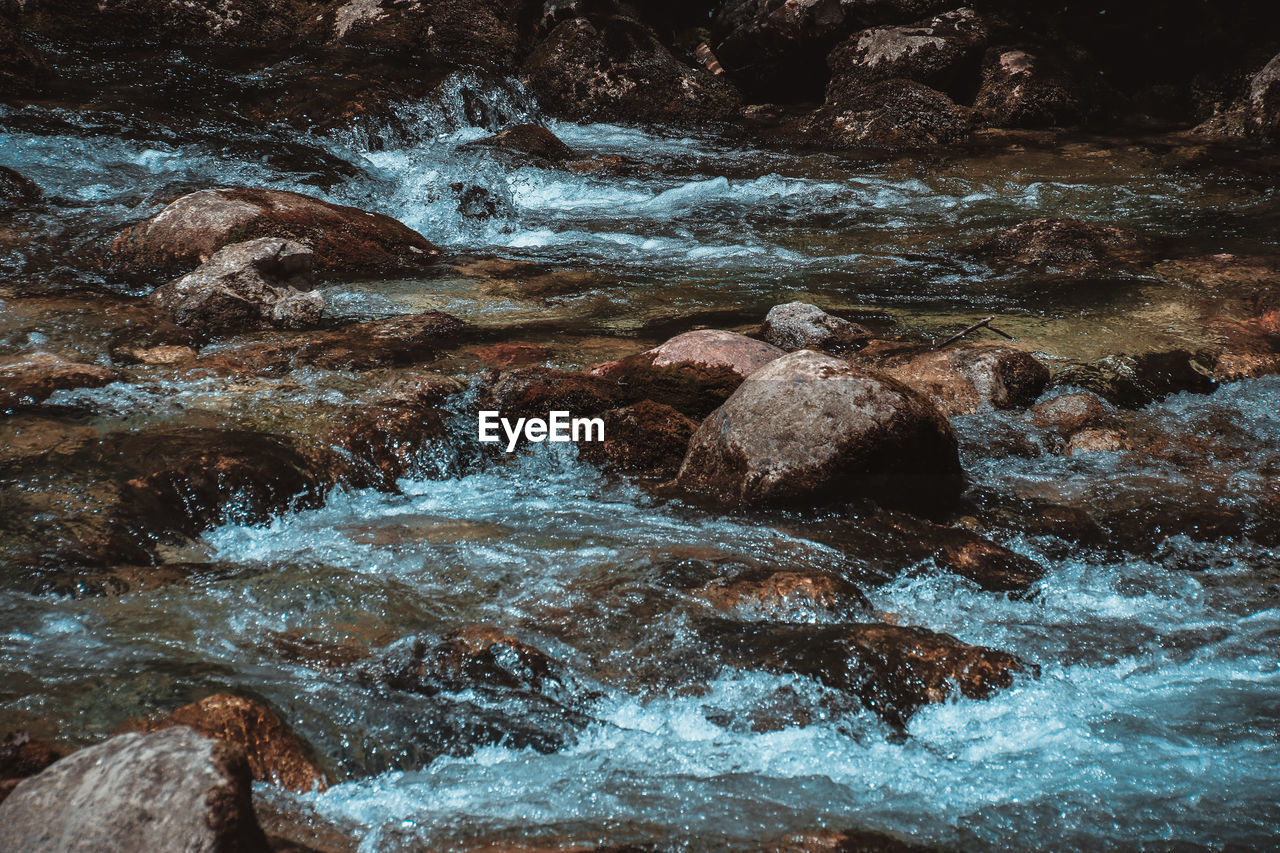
(1067, 245)
(791, 596)
(1255, 112)
(693, 372)
(966, 378)
(385, 441)
(346, 241)
(164, 354)
(274, 753)
(1020, 89)
(529, 143)
(536, 391)
(613, 67)
(16, 190)
(479, 655)
(1096, 441)
(20, 757)
(1066, 413)
(172, 790)
(809, 428)
(799, 325)
(847, 841)
(1132, 382)
(943, 53)
(894, 115)
(893, 670)
(263, 283)
(1249, 349)
(259, 23)
(505, 355)
(963, 552)
(29, 379)
(646, 438)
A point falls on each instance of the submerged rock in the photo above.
(693, 372)
(646, 438)
(346, 241)
(1020, 89)
(846, 841)
(787, 595)
(274, 753)
(965, 378)
(172, 790)
(1071, 246)
(530, 142)
(256, 284)
(29, 379)
(17, 190)
(799, 325)
(943, 52)
(809, 428)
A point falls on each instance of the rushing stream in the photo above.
(1154, 721)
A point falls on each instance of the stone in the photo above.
(645, 438)
(809, 429)
(1020, 89)
(1067, 413)
(537, 391)
(1133, 381)
(31, 378)
(17, 190)
(964, 378)
(1070, 246)
(22, 756)
(274, 753)
(1096, 441)
(346, 241)
(786, 595)
(262, 283)
(172, 790)
(693, 372)
(531, 143)
(799, 325)
(891, 115)
(944, 53)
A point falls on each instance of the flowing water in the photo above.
(1154, 721)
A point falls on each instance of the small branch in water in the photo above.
(985, 322)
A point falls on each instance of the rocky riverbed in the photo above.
(839, 577)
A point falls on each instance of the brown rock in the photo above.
(943, 52)
(1020, 89)
(29, 379)
(786, 596)
(1096, 441)
(383, 442)
(799, 325)
(530, 142)
(848, 841)
(20, 757)
(646, 438)
(1067, 413)
(480, 654)
(694, 372)
(516, 354)
(1068, 245)
(536, 391)
(345, 240)
(172, 790)
(964, 379)
(894, 115)
(809, 428)
(275, 754)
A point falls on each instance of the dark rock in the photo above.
(1132, 382)
(694, 372)
(479, 655)
(965, 378)
(614, 68)
(943, 53)
(29, 379)
(847, 841)
(346, 241)
(536, 391)
(260, 283)
(809, 428)
(20, 757)
(963, 552)
(530, 142)
(275, 754)
(1066, 413)
(1020, 89)
(893, 115)
(384, 440)
(258, 23)
(1255, 112)
(16, 190)
(892, 670)
(513, 354)
(1070, 246)
(799, 325)
(647, 438)
(172, 790)
(787, 595)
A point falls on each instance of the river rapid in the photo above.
(1153, 722)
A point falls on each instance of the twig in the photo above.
(985, 322)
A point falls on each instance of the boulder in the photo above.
(29, 379)
(257, 23)
(1264, 100)
(809, 428)
(17, 190)
(478, 655)
(786, 595)
(1069, 246)
(646, 438)
(799, 325)
(614, 68)
(1067, 413)
(262, 283)
(346, 241)
(893, 115)
(274, 753)
(965, 378)
(693, 372)
(1133, 381)
(172, 790)
(944, 53)
(531, 143)
(385, 439)
(962, 552)
(1020, 89)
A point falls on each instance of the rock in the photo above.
(963, 552)
(1020, 89)
(799, 325)
(20, 757)
(614, 68)
(693, 372)
(791, 596)
(1069, 246)
(346, 241)
(1067, 413)
(480, 654)
(172, 790)
(257, 23)
(514, 354)
(274, 753)
(1132, 382)
(536, 391)
(944, 53)
(16, 190)
(646, 438)
(894, 115)
(1255, 112)
(847, 841)
(893, 670)
(809, 428)
(262, 283)
(383, 441)
(163, 354)
(29, 379)
(966, 378)
(529, 142)
(1096, 441)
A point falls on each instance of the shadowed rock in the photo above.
(1070, 245)
(29, 379)
(799, 325)
(17, 190)
(20, 757)
(646, 438)
(1020, 89)
(963, 379)
(892, 115)
(530, 142)
(943, 52)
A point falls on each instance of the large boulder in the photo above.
(944, 52)
(263, 283)
(346, 241)
(614, 68)
(31, 378)
(172, 790)
(964, 379)
(1020, 89)
(693, 372)
(799, 325)
(809, 428)
(891, 114)
(1253, 112)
